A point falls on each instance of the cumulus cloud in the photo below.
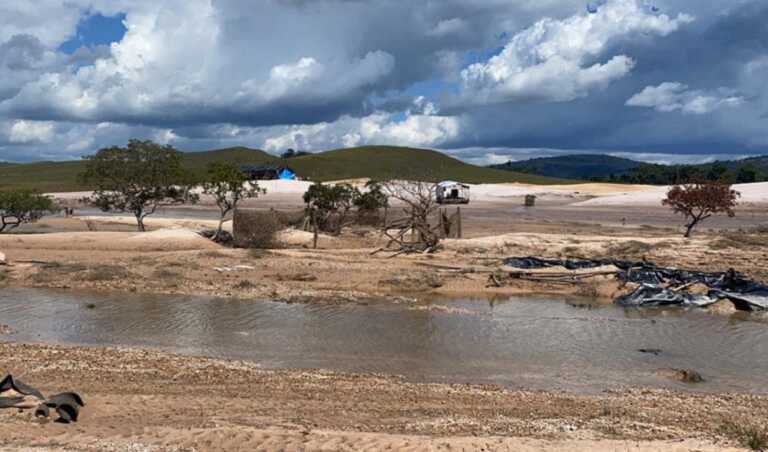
(420, 126)
(31, 132)
(201, 74)
(553, 59)
(673, 96)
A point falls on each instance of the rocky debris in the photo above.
(681, 375)
(6, 330)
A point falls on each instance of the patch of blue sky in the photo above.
(95, 30)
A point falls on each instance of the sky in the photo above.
(484, 80)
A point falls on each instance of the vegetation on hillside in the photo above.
(374, 162)
(580, 166)
(387, 162)
(603, 168)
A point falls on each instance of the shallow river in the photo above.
(534, 343)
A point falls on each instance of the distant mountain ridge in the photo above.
(374, 162)
(577, 166)
(606, 168)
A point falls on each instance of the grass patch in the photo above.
(739, 241)
(631, 248)
(104, 273)
(754, 437)
(165, 274)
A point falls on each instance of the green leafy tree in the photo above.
(372, 199)
(228, 186)
(138, 179)
(22, 206)
(330, 204)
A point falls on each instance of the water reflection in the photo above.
(534, 343)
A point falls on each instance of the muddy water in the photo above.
(520, 343)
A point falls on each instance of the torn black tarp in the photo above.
(649, 295)
(664, 286)
(16, 394)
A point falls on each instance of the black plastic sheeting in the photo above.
(663, 286)
(67, 404)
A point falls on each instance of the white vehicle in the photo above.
(450, 192)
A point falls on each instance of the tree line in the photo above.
(744, 172)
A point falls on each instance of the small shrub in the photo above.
(257, 229)
(245, 285)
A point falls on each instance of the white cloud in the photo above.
(673, 96)
(448, 27)
(31, 132)
(420, 127)
(497, 155)
(552, 60)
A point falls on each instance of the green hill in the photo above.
(375, 162)
(53, 177)
(605, 168)
(385, 162)
(579, 166)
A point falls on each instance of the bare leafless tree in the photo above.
(419, 203)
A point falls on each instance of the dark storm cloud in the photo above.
(708, 55)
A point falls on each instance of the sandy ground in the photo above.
(751, 194)
(342, 269)
(141, 400)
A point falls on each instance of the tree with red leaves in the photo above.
(701, 200)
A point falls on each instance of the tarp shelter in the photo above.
(268, 172)
(450, 192)
(286, 174)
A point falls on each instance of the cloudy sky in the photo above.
(485, 80)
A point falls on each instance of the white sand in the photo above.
(487, 192)
(162, 240)
(750, 194)
(295, 237)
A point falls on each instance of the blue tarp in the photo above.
(286, 174)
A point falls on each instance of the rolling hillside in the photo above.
(614, 169)
(375, 162)
(580, 166)
(385, 162)
(63, 176)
